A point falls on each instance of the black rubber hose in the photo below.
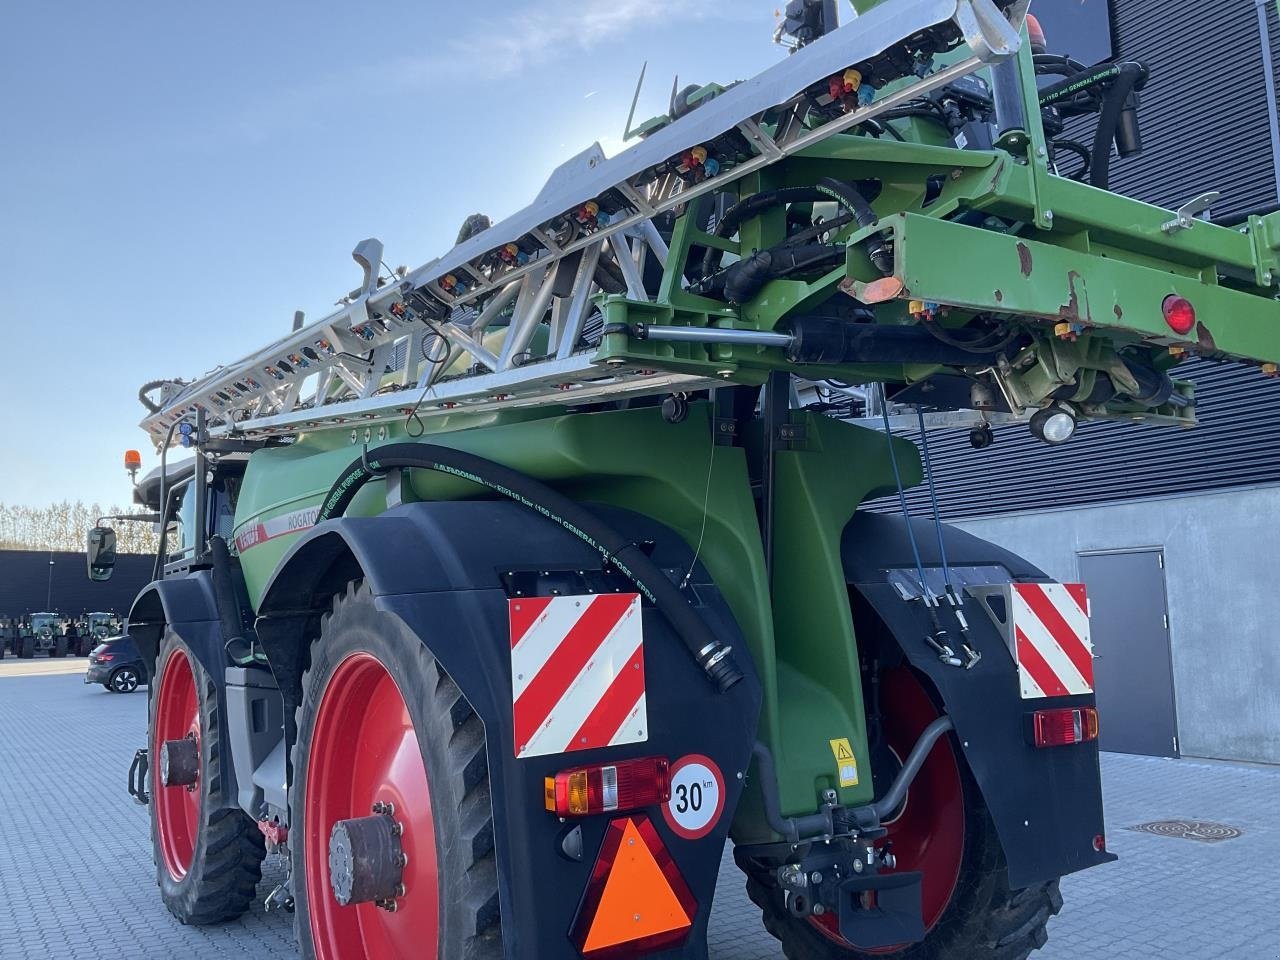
(147, 388)
(828, 188)
(1130, 77)
(745, 278)
(877, 248)
(715, 658)
(749, 207)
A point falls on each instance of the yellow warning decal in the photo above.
(846, 762)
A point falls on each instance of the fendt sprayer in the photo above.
(501, 598)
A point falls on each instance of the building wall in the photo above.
(1224, 607)
(25, 583)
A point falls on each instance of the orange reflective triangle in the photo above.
(638, 900)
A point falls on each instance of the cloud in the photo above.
(521, 41)
(537, 36)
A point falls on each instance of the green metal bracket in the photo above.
(1033, 278)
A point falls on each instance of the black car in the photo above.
(117, 665)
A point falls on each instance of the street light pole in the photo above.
(48, 600)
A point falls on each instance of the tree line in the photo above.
(62, 527)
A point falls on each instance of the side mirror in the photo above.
(100, 552)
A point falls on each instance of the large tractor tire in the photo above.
(85, 646)
(59, 648)
(208, 858)
(386, 737)
(943, 830)
(26, 647)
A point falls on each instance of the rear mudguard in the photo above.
(445, 570)
(1046, 803)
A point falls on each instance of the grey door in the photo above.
(1133, 672)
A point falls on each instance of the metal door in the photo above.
(1133, 670)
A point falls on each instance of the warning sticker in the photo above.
(697, 797)
(846, 762)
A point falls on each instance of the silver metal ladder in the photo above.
(503, 319)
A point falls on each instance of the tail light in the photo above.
(619, 787)
(1062, 728)
(1179, 314)
(104, 658)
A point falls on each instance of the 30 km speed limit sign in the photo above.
(697, 797)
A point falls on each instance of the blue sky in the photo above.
(177, 179)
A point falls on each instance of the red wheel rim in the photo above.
(364, 749)
(178, 807)
(928, 833)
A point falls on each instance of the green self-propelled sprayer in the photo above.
(500, 598)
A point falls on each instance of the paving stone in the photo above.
(78, 882)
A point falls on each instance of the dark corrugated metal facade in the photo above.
(1206, 126)
(1204, 113)
(25, 583)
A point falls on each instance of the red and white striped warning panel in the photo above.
(577, 673)
(1051, 639)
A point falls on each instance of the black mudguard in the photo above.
(1046, 803)
(440, 567)
(186, 606)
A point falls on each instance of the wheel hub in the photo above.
(367, 860)
(180, 762)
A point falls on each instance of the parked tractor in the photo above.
(40, 633)
(499, 600)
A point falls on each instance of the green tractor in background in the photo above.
(40, 632)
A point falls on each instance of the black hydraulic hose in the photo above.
(146, 388)
(877, 247)
(1236, 219)
(992, 341)
(745, 278)
(828, 188)
(715, 658)
(749, 207)
(1129, 77)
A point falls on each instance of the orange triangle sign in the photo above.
(638, 901)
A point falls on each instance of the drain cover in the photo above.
(1206, 831)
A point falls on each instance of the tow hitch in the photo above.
(872, 909)
(138, 777)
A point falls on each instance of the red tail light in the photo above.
(1179, 314)
(1061, 728)
(104, 658)
(613, 788)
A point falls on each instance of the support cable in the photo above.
(971, 655)
(938, 639)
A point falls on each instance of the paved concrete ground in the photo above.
(77, 883)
